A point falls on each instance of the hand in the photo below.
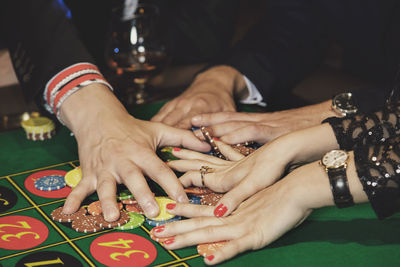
(190, 163)
(235, 127)
(260, 169)
(116, 148)
(257, 222)
(262, 218)
(211, 91)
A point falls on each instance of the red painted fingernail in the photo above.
(171, 206)
(159, 229)
(177, 149)
(216, 139)
(169, 241)
(220, 210)
(210, 258)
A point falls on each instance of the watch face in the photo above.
(344, 103)
(335, 158)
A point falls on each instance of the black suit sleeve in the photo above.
(42, 41)
(285, 46)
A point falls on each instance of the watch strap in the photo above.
(340, 187)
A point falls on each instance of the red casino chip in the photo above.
(30, 185)
(123, 249)
(21, 232)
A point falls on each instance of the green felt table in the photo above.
(329, 237)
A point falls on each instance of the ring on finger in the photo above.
(203, 171)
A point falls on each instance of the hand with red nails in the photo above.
(248, 175)
(238, 127)
(262, 218)
(114, 147)
(211, 91)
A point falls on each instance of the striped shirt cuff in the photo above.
(67, 82)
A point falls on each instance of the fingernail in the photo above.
(177, 149)
(171, 206)
(216, 139)
(196, 119)
(220, 210)
(210, 258)
(111, 214)
(198, 134)
(183, 198)
(169, 241)
(151, 209)
(159, 229)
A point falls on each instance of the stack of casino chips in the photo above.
(38, 128)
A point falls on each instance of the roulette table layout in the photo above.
(29, 236)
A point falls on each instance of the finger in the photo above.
(258, 133)
(184, 123)
(136, 183)
(192, 178)
(231, 249)
(191, 210)
(193, 155)
(107, 190)
(166, 178)
(228, 127)
(206, 234)
(78, 194)
(174, 116)
(229, 152)
(184, 226)
(221, 117)
(177, 137)
(190, 165)
(231, 200)
(164, 111)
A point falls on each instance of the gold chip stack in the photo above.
(38, 128)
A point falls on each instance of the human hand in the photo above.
(190, 163)
(260, 169)
(257, 222)
(237, 127)
(211, 91)
(116, 148)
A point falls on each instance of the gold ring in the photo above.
(203, 171)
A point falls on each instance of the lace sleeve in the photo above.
(378, 167)
(369, 128)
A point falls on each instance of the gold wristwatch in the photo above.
(335, 163)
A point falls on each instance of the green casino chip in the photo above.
(135, 220)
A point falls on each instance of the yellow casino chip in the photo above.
(38, 128)
(73, 177)
(162, 203)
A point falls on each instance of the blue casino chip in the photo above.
(194, 199)
(158, 223)
(50, 183)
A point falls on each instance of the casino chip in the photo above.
(125, 194)
(73, 177)
(94, 208)
(135, 220)
(198, 190)
(211, 199)
(134, 208)
(208, 249)
(59, 216)
(38, 128)
(101, 222)
(158, 223)
(50, 183)
(86, 224)
(164, 214)
(195, 199)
